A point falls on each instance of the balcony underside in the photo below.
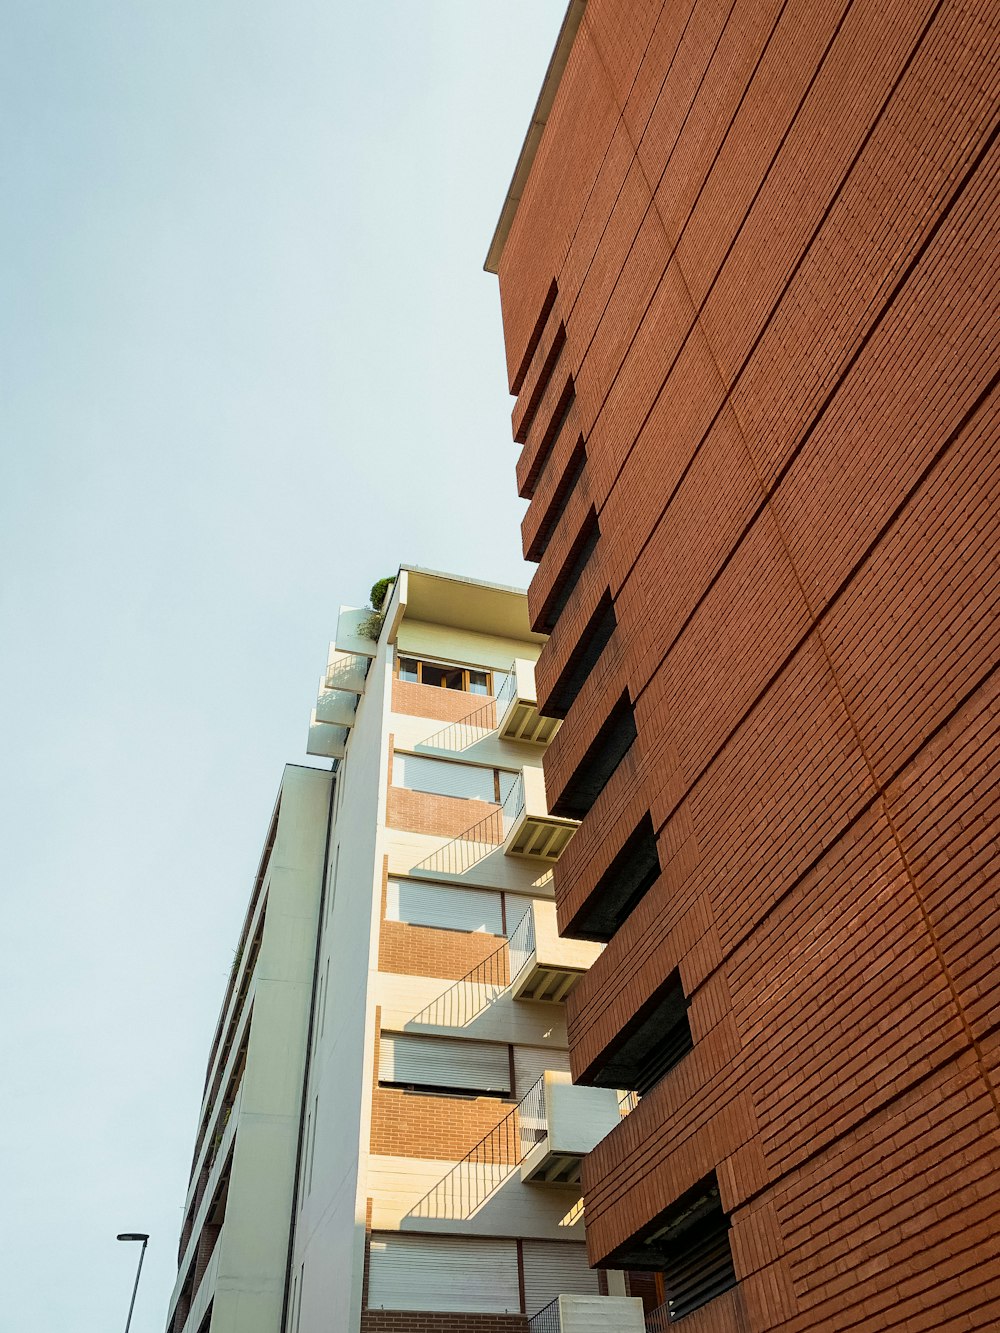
(535, 981)
(542, 1166)
(523, 722)
(543, 837)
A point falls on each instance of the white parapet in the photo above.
(601, 1314)
(578, 1117)
(349, 640)
(346, 671)
(335, 706)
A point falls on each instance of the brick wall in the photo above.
(416, 1124)
(424, 951)
(773, 232)
(425, 1321)
(416, 700)
(428, 951)
(445, 816)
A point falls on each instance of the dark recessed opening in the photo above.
(603, 756)
(569, 576)
(627, 879)
(689, 1244)
(650, 1045)
(593, 640)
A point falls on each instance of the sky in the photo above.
(249, 363)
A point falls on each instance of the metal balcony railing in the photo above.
(533, 1125)
(466, 731)
(547, 1319)
(471, 994)
(627, 1103)
(470, 1182)
(521, 943)
(479, 840)
(505, 694)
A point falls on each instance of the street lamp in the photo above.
(134, 1235)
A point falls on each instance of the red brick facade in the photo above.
(758, 246)
(425, 951)
(416, 700)
(443, 816)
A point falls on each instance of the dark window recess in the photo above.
(689, 1244)
(569, 575)
(547, 443)
(541, 384)
(561, 498)
(593, 640)
(627, 879)
(648, 1047)
(603, 756)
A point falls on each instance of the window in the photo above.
(448, 908)
(464, 1274)
(656, 1039)
(445, 777)
(444, 676)
(446, 1065)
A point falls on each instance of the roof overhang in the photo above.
(462, 603)
(550, 86)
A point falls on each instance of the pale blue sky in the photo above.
(248, 363)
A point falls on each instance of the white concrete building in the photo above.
(395, 1144)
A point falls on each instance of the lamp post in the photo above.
(134, 1235)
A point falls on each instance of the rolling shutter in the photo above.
(441, 905)
(441, 778)
(448, 1273)
(531, 1062)
(444, 1062)
(555, 1268)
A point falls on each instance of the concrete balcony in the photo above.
(534, 832)
(336, 707)
(544, 966)
(346, 671)
(559, 1124)
(349, 638)
(518, 718)
(326, 741)
(590, 1314)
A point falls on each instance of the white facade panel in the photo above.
(462, 1274)
(444, 1062)
(420, 904)
(531, 1062)
(440, 777)
(553, 1269)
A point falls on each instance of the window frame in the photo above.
(467, 673)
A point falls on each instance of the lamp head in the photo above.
(133, 1235)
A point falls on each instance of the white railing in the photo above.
(532, 1123)
(522, 943)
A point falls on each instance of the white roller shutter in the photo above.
(453, 1273)
(531, 1062)
(441, 905)
(441, 778)
(555, 1268)
(444, 1062)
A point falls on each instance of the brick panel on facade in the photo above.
(773, 230)
(418, 1124)
(446, 816)
(426, 951)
